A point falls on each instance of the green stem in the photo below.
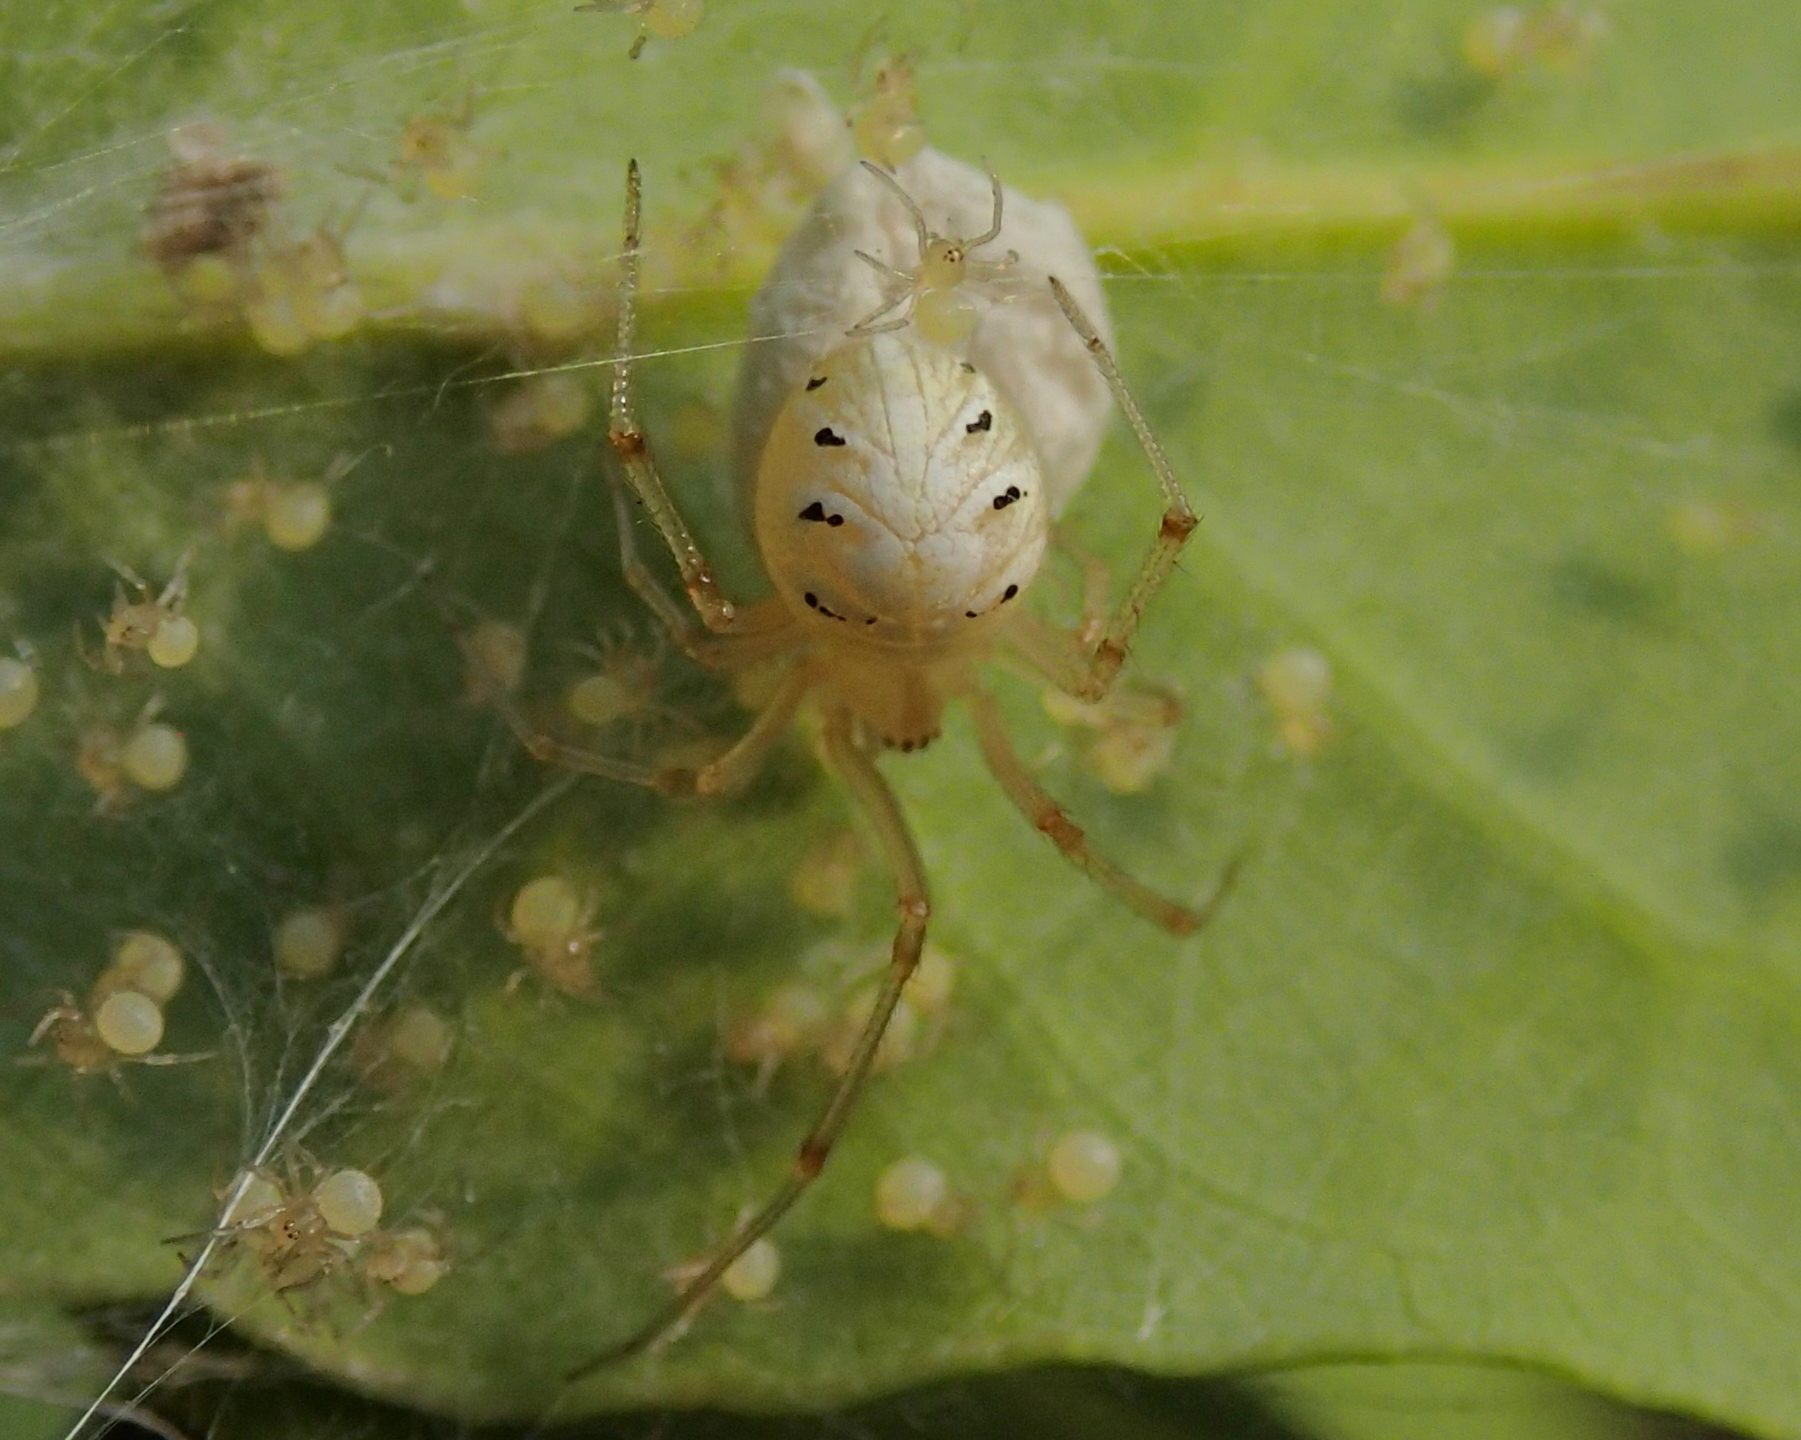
(1225, 211)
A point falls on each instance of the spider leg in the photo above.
(855, 767)
(981, 271)
(993, 231)
(863, 327)
(919, 219)
(626, 436)
(1096, 585)
(762, 631)
(1087, 670)
(884, 268)
(1050, 818)
(730, 771)
(867, 325)
(54, 1016)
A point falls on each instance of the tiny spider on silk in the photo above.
(899, 512)
(929, 291)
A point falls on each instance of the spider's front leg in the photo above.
(759, 632)
(1084, 667)
(897, 290)
(626, 436)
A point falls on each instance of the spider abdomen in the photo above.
(899, 500)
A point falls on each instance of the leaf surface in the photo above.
(1492, 1052)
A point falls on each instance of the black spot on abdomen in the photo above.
(816, 513)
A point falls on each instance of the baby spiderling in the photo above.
(621, 688)
(552, 923)
(1419, 263)
(307, 1225)
(121, 1019)
(149, 623)
(126, 1025)
(409, 1261)
(148, 754)
(1133, 734)
(885, 123)
(1297, 685)
(1083, 1166)
(435, 150)
(145, 961)
(300, 292)
(293, 515)
(931, 294)
(299, 1233)
(535, 412)
(1510, 38)
(751, 1277)
(308, 941)
(1080, 1167)
(663, 19)
(790, 1022)
(914, 1194)
(396, 1051)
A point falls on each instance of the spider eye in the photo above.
(941, 267)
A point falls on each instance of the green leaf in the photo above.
(1491, 1053)
(47, 1364)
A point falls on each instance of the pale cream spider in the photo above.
(121, 1021)
(619, 688)
(552, 923)
(301, 1233)
(96, 1040)
(900, 512)
(664, 19)
(153, 623)
(929, 289)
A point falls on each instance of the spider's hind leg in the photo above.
(1088, 668)
(1052, 820)
(858, 771)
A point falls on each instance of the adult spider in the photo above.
(899, 512)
